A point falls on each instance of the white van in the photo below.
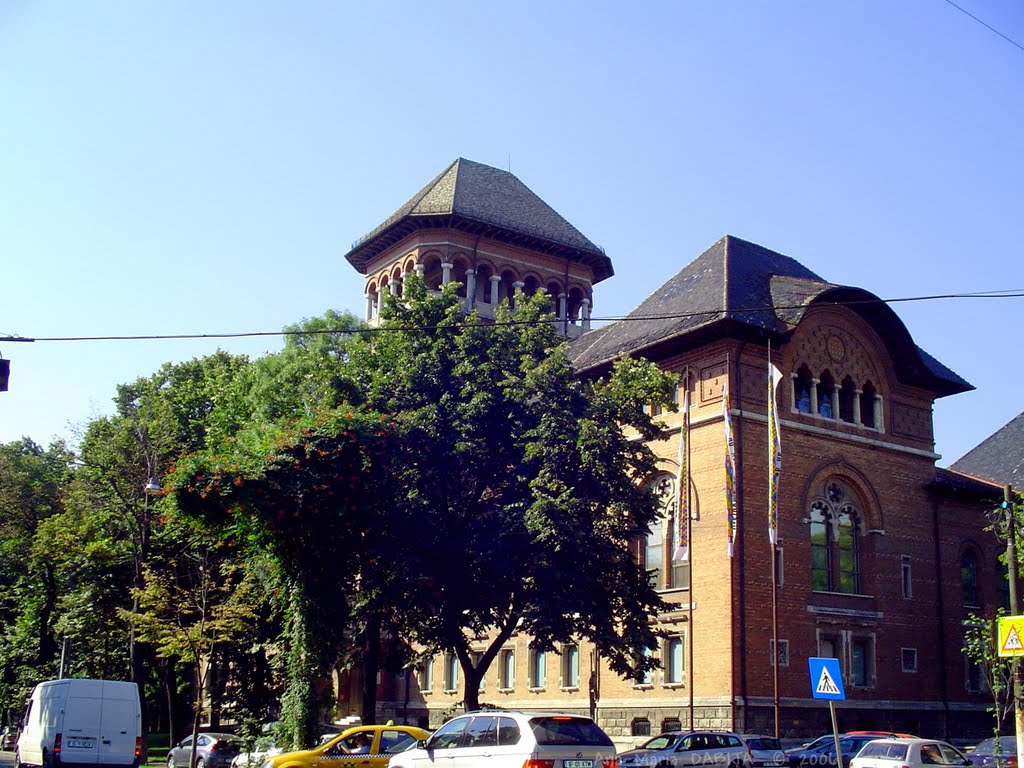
(81, 723)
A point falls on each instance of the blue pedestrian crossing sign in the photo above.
(826, 679)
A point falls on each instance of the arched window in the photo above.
(802, 390)
(826, 388)
(969, 577)
(660, 543)
(847, 395)
(835, 523)
(867, 406)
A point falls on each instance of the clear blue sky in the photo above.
(196, 167)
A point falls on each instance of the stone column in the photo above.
(516, 287)
(470, 289)
(879, 424)
(792, 393)
(393, 285)
(814, 396)
(856, 407)
(420, 269)
(369, 307)
(495, 280)
(835, 402)
(446, 272)
(563, 306)
(586, 314)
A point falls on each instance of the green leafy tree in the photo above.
(981, 649)
(519, 484)
(305, 494)
(194, 602)
(33, 483)
(181, 408)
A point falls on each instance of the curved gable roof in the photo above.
(477, 198)
(753, 290)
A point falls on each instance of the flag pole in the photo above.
(773, 544)
(689, 516)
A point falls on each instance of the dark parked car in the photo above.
(822, 753)
(213, 750)
(995, 753)
(8, 738)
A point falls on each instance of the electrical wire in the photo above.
(987, 26)
(1015, 293)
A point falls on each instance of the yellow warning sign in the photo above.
(1011, 636)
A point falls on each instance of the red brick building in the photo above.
(880, 555)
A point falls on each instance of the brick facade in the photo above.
(895, 621)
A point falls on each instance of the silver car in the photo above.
(213, 750)
(689, 748)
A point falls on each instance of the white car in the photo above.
(265, 747)
(908, 753)
(508, 739)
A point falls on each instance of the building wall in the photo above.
(726, 614)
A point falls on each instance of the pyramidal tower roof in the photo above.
(480, 199)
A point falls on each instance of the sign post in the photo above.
(827, 683)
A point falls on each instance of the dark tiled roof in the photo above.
(478, 198)
(729, 281)
(758, 292)
(958, 484)
(999, 458)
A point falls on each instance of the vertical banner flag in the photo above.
(730, 466)
(682, 550)
(774, 451)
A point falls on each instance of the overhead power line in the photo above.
(1015, 293)
(987, 26)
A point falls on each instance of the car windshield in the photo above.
(885, 749)
(664, 741)
(764, 742)
(568, 731)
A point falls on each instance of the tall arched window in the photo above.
(826, 388)
(661, 542)
(802, 390)
(969, 577)
(835, 523)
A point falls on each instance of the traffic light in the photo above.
(5, 374)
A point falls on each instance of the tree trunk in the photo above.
(371, 666)
(471, 699)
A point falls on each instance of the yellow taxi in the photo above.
(363, 746)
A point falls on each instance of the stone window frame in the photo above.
(906, 577)
(783, 656)
(451, 672)
(645, 681)
(669, 672)
(538, 670)
(837, 524)
(425, 675)
(507, 669)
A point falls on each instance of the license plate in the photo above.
(577, 764)
(81, 743)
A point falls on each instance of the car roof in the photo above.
(531, 713)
